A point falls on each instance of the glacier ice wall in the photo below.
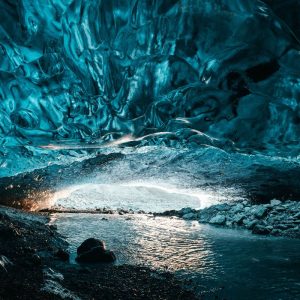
(204, 72)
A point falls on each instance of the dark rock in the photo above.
(189, 216)
(260, 229)
(289, 224)
(185, 210)
(29, 250)
(167, 213)
(293, 232)
(90, 243)
(53, 227)
(122, 212)
(22, 279)
(96, 255)
(281, 226)
(62, 255)
(276, 232)
(94, 251)
(36, 260)
(85, 271)
(9, 232)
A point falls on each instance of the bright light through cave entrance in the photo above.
(149, 197)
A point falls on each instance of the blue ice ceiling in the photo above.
(201, 72)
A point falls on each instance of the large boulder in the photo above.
(94, 251)
(90, 243)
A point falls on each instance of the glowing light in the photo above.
(147, 196)
(203, 196)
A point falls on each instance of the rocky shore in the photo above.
(34, 264)
(276, 218)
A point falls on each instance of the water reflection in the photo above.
(248, 266)
(143, 239)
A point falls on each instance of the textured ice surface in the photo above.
(197, 76)
(211, 174)
(220, 72)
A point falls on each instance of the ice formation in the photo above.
(196, 69)
(181, 73)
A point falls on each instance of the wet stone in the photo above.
(260, 211)
(280, 209)
(36, 259)
(297, 216)
(94, 251)
(249, 224)
(185, 211)
(261, 219)
(88, 244)
(218, 220)
(260, 229)
(223, 207)
(62, 255)
(276, 232)
(275, 202)
(190, 216)
(238, 219)
(238, 208)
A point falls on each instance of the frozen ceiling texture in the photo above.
(224, 73)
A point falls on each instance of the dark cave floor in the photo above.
(31, 269)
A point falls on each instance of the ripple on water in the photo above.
(250, 267)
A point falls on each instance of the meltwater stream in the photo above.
(247, 266)
(233, 264)
(199, 94)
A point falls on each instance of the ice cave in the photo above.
(150, 149)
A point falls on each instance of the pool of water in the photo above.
(247, 266)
